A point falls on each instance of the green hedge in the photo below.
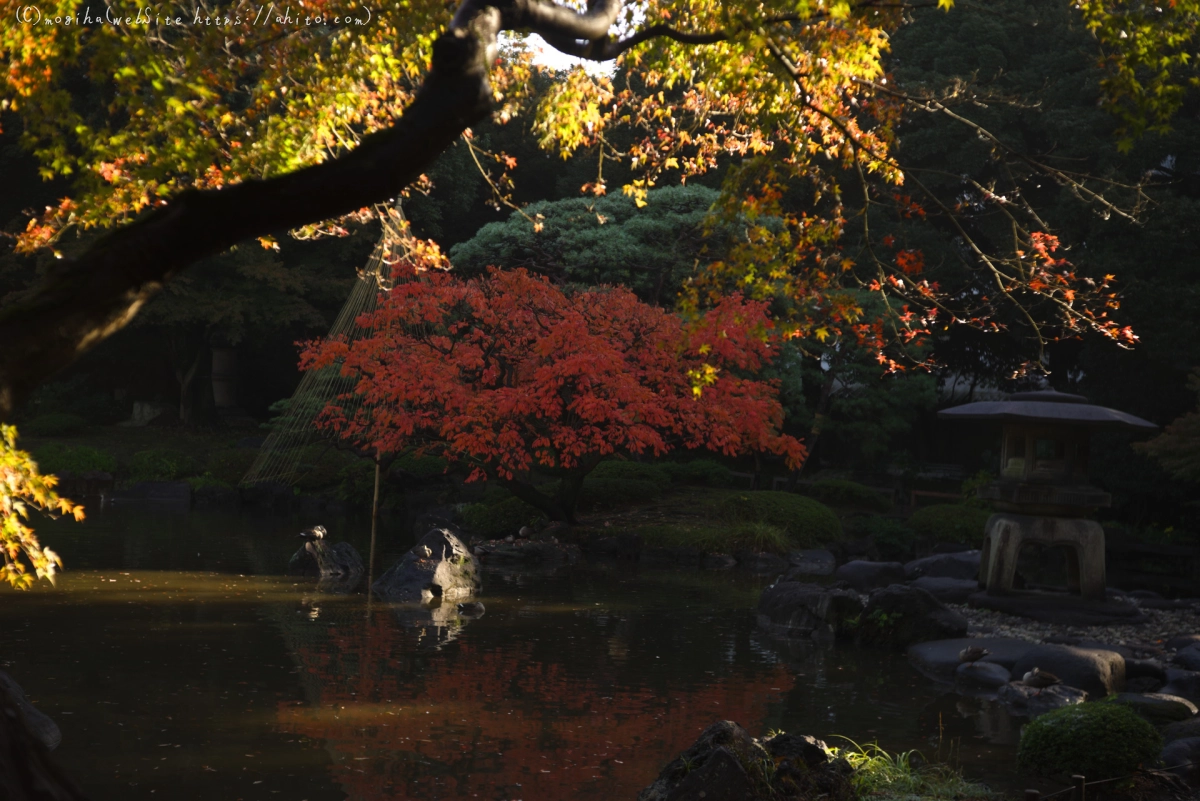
(160, 464)
(808, 522)
(1097, 740)
(699, 471)
(838, 492)
(53, 425)
(57, 458)
(500, 518)
(757, 537)
(951, 522)
(630, 471)
(599, 494)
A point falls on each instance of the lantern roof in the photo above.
(1047, 406)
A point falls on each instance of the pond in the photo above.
(180, 662)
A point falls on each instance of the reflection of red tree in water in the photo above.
(497, 723)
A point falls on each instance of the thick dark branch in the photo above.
(607, 48)
(89, 298)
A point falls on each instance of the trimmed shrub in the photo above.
(320, 468)
(950, 522)
(1097, 740)
(611, 493)
(841, 493)
(53, 425)
(160, 464)
(894, 541)
(630, 471)
(230, 464)
(808, 522)
(699, 471)
(59, 459)
(499, 519)
(420, 466)
(757, 537)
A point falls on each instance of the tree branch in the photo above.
(91, 297)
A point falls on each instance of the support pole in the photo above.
(374, 526)
(1080, 783)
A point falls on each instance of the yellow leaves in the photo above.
(703, 377)
(945, 5)
(822, 333)
(637, 190)
(22, 487)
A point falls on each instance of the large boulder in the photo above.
(795, 609)
(947, 590)
(963, 565)
(939, 660)
(1184, 728)
(1188, 658)
(899, 616)
(727, 764)
(37, 722)
(1099, 672)
(438, 567)
(1184, 683)
(866, 576)
(1158, 708)
(1182, 758)
(982, 674)
(1029, 702)
(328, 561)
(713, 768)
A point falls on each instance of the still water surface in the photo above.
(180, 663)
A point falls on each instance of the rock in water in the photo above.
(727, 764)
(38, 723)
(451, 571)
(319, 558)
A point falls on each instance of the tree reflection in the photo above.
(550, 713)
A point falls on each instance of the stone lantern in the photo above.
(1042, 494)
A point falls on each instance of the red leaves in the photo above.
(911, 262)
(508, 373)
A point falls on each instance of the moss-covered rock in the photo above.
(1097, 740)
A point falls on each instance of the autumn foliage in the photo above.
(509, 375)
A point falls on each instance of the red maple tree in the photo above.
(515, 377)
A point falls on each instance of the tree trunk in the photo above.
(27, 772)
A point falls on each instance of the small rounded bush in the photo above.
(59, 459)
(54, 425)
(950, 522)
(630, 471)
(699, 471)
(160, 464)
(601, 493)
(807, 522)
(839, 492)
(501, 518)
(1096, 740)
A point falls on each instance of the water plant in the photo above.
(905, 776)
